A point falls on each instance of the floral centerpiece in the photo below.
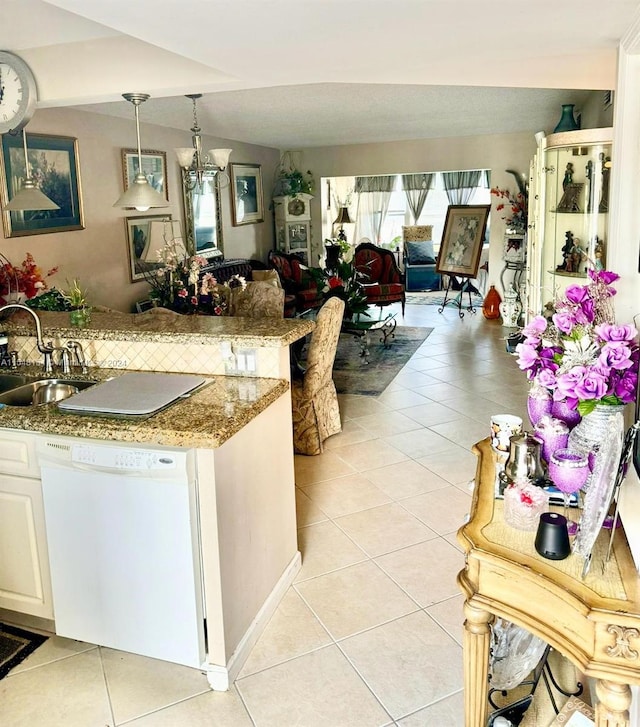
(342, 279)
(24, 281)
(177, 283)
(580, 356)
(515, 205)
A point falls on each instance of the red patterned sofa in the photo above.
(296, 281)
(383, 281)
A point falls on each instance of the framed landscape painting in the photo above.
(53, 161)
(246, 194)
(462, 240)
(154, 168)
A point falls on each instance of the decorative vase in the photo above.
(80, 317)
(587, 436)
(491, 304)
(539, 403)
(567, 120)
(561, 410)
(510, 309)
(333, 256)
(553, 433)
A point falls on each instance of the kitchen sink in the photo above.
(43, 391)
(11, 381)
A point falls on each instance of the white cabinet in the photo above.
(25, 583)
(293, 225)
(569, 219)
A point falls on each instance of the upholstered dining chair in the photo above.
(260, 299)
(314, 400)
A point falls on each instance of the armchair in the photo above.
(382, 279)
(419, 258)
(296, 280)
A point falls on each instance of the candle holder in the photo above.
(569, 471)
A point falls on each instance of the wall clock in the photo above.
(18, 94)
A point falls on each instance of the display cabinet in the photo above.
(293, 225)
(568, 212)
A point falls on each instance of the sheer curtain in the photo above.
(373, 195)
(460, 186)
(416, 187)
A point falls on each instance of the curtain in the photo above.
(416, 187)
(373, 195)
(460, 186)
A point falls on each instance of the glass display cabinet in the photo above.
(569, 219)
(293, 225)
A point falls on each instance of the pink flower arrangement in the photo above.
(581, 356)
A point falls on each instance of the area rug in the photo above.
(15, 645)
(436, 297)
(353, 376)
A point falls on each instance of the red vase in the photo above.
(491, 304)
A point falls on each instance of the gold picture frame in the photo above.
(462, 240)
(154, 168)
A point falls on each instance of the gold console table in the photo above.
(594, 622)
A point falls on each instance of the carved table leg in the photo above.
(612, 709)
(476, 641)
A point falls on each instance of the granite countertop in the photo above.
(162, 327)
(206, 419)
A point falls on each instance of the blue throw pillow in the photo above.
(420, 253)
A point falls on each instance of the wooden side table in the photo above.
(594, 622)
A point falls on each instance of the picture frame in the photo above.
(246, 194)
(462, 240)
(55, 168)
(154, 167)
(138, 230)
(514, 249)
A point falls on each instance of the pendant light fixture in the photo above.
(194, 164)
(140, 195)
(29, 197)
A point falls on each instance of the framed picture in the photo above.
(462, 240)
(246, 194)
(514, 249)
(154, 168)
(142, 259)
(53, 161)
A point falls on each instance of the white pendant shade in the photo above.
(220, 157)
(141, 195)
(185, 156)
(30, 198)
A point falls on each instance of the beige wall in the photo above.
(97, 255)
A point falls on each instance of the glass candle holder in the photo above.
(553, 433)
(569, 471)
(523, 505)
(539, 404)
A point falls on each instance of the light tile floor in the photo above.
(370, 633)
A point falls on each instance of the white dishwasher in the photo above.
(123, 546)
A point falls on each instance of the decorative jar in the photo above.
(523, 505)
(567, 119)
(491, 304)
(510, 309)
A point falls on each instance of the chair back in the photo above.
(417, 233)
(376, 264)
(260, 299)
(323, 346)
(288, 266)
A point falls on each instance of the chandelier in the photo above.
(194, 164)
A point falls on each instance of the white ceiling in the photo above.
(300, 73)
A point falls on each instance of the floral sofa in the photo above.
(382, 279)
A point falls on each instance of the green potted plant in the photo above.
(79, 311)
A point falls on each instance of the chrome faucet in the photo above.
(46, 349)
(75, 347)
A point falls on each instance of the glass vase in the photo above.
(80, 317)
(539, 403)
(561, 410)
(590, 432)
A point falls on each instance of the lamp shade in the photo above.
(30, 198)
(162, 232)
(220, 157)
(343, 217)
(185, 156)
(141, 195)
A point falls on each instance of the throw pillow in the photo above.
(267, 276)
(420, 253)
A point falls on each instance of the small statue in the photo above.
(598, 254)
(590, 189)
(568, 176)
(566, 252)
(577, 256)
(606, 171)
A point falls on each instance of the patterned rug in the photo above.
(436, 297)
(353, 376)
(15, 645)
